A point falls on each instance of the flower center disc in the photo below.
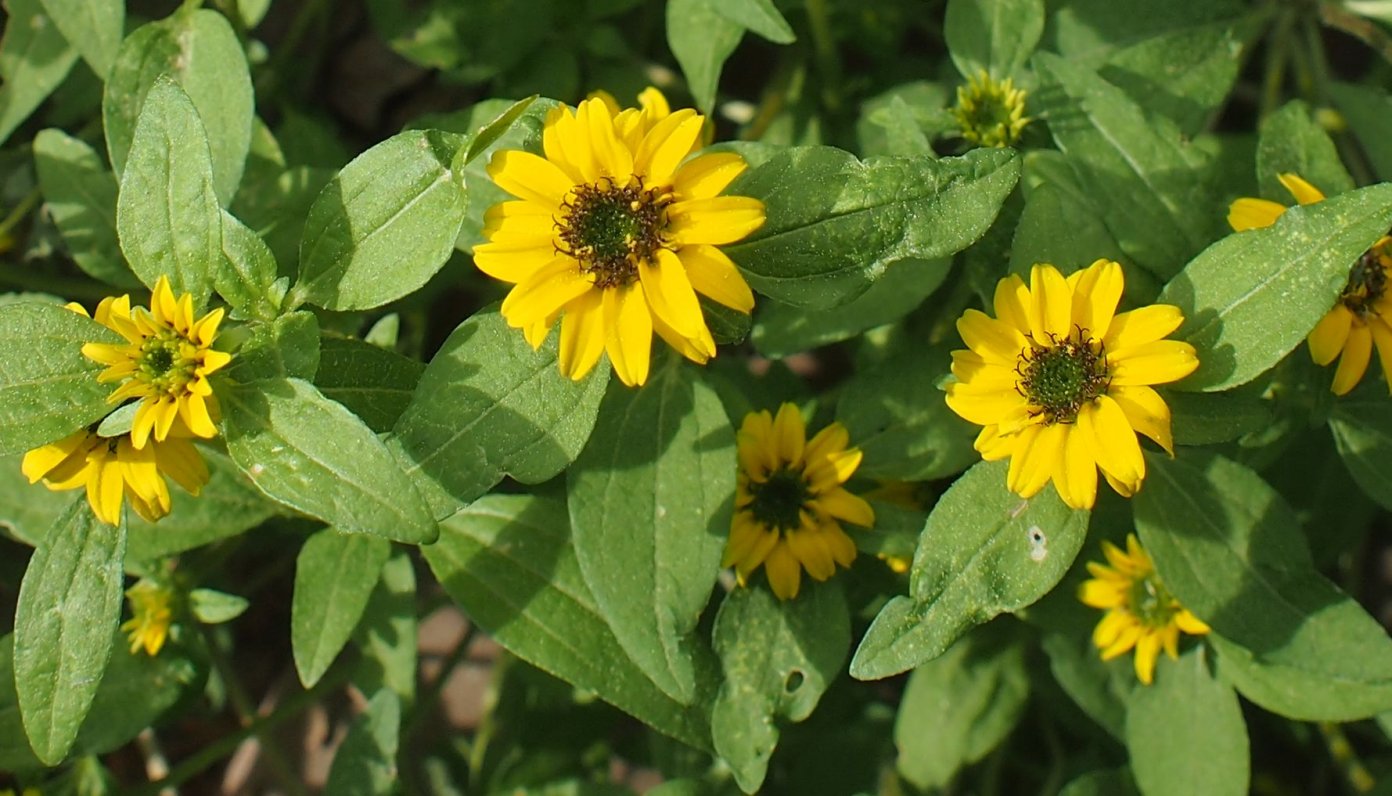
(1063, 376)
(777, 502)
(1151, 602)
(611, 228)
(1367, 280)
(162, 366)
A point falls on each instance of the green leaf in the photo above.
(365, 763)
(81, 196)
(493, 132)
(383, 225)
(226, 506)
(386, 634)
(1292, 141)
(489, 406)
(760, 16)
(1066, 230)
(993, 36)
(507, 560)
(1209, 418)
(198, 49)
(902, 120)
(783, 329)
(649, 501)
(983, 552)
(1138, 173)
(34, 59)
(701, 38)
(69, 605)
(374, 383)
(1253, 296)
(836, 223)
(1365, 108)
(1185, 733)
(778, 658)
(899, 418)
(1230, 551)
(1362, 427)
(213, 607)
(311, 454)
(167, 212)
(1297, 692)
(48, 389)
(94, 27)
(287, 347)
(960, 705)
(335, 574)
(1103, 782)
(15, 754)
(246, 273)
(1184, 74)
(136, 690)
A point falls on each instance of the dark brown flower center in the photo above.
(610, 228)
(1367, 281)
(1062, 376)
(778, 502)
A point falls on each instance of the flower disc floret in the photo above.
(1141, 613)
(990, 112)
(164, 363)
(1061, 382)
(790, 501)
(614, 233)
(1361, 317)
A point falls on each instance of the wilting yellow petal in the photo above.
(1251, 213)
(1304, 192)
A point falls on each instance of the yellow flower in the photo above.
(152, 611)
(1361, 317)
(990, 113)
(1061, 382)
(164, 363)
(1141, 612)
(615, 233)
(789, 499)
(112, 469)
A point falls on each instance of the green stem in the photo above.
(1357, 774)
(1277, 54)
(425, 704)
(196, 763)
(828, 62)
(18, 214)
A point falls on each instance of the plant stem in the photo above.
(828, 63)
(1357, 774)
(20, 211)
(425, 703)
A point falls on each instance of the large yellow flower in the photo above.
(1141, 612)
(113, 469)
(614, 232)
(152, 612)
(164, 363)
(1361, 317)
(790, 500)
(1061, 382)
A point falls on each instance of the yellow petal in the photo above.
(984, 408)
(784, 573)
(514, 262)
(611, 155)
(1101, 594)
(1113, 442)
(180, 460)
(1353, 363)
(789, 434)
(843, 505)
(666, 145)
(993, 340)
(1304, 192)
(1146, 412)
(628, 333)
(1160, 362)
(1076, 477)
(1329, 335)
(582, 336)
(715, 276)
(1141, 326)
(810, 553)
(1038, 456)
(1051, 304)
(1095, 296)
(194, 412)
(706, 176)
(1251, 213)
(670, 295)
(1012, 302)
(42, 460)
(1147, 648)
(545, 292)
(564, 145)
(718, 220)
(992, 445)
(698, 349)
(1382, 337)
(105, 487)
(530, 177)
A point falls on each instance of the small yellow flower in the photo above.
(1061, 382)
(790, 499)
(1361, 317)
(990, 112)
(152, 611)
(164, 363)
(113, 469)
(615, 232)
(1141, 612)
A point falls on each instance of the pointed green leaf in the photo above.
(649, 502)
(95, 28)
(246, 273)
(1253, 296)
(386, 634)
(34, 59)
(1186, 734)
(507, 560)
(836, 223)
(81, 196)
(760, 16)
(984, 551)
(701, 38)
(69, 605)
(489, 406)
(1183, 74)
(1229, 549)
(311, 454)
(993, 36)
(198, 49)
(167, 213)
(365, 764)
(1362, 426)
(374, 383)
(287, 347)
(335, 574)
(778, 658)
(1292, 141)
(48, 389)
(384, 225)
(213, 607)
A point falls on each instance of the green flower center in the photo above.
(990, 113)
(1063, 376)
(1367, 282)
(163, 365)
(1152, 603)
(611, 228)
(779, 501)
